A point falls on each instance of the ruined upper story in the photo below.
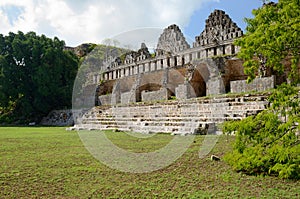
(219, 30)
(173, 50)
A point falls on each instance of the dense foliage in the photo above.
(36, 76)
(272, 36)
(269, 143)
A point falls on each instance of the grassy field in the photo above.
(53, 163)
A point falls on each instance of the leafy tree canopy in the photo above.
(272, 36)
(36, 76)
(269, 143)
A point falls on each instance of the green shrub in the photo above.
(268, 143)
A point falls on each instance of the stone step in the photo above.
(228, 113)
(148, 129)
(173, 117)
(165, 119)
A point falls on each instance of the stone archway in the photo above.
(196, 79)
(203, 77)
(211, 72)
(198, 84)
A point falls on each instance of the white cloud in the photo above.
(77, 21)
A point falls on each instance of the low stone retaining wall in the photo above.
(105, 99)
(184, 91)
(162, 94)
(258, 84)
(128, 97)
(58, 118)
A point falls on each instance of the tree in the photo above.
(272, 36)
(36, 76)
(269, 142)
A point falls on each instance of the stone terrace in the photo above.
(178, 117)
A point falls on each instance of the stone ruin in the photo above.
(58, 118)
(192, 116)
(177, 71)
(219, 28)
(171, 41)
(174, 51)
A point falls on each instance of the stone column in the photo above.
(110, 75)
(158, 64)
(127, 71)
(115, 74)
(165, 63)
(202, 54)
(147, 67)
(132, 70)
(220, 50)
(179, 60)
(153, 66)
(141, 68)
(228, 49)
(136, 70)
(172, 61)
(210, 52)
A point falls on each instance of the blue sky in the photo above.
(236, 9)
(79, 21)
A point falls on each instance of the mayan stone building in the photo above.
(176, 71)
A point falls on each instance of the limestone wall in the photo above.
(215, 86)
(162, 94)
(258, 84)
(105, 99)
(128, 97)
(185, 91)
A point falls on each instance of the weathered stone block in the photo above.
(258, 84)
(115, 98)
(185, 91)
(128, 97)
(105, 99)
(162, 94)
(215, 86)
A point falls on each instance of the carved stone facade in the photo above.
(219, 28)
(180, 72)
(171, 41)
(176, 70)
(174, 51)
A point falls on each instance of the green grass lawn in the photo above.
(53, 163)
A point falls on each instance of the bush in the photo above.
(268, 143)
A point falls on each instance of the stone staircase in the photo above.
(178, 117)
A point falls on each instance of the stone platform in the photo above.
(192, 116)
